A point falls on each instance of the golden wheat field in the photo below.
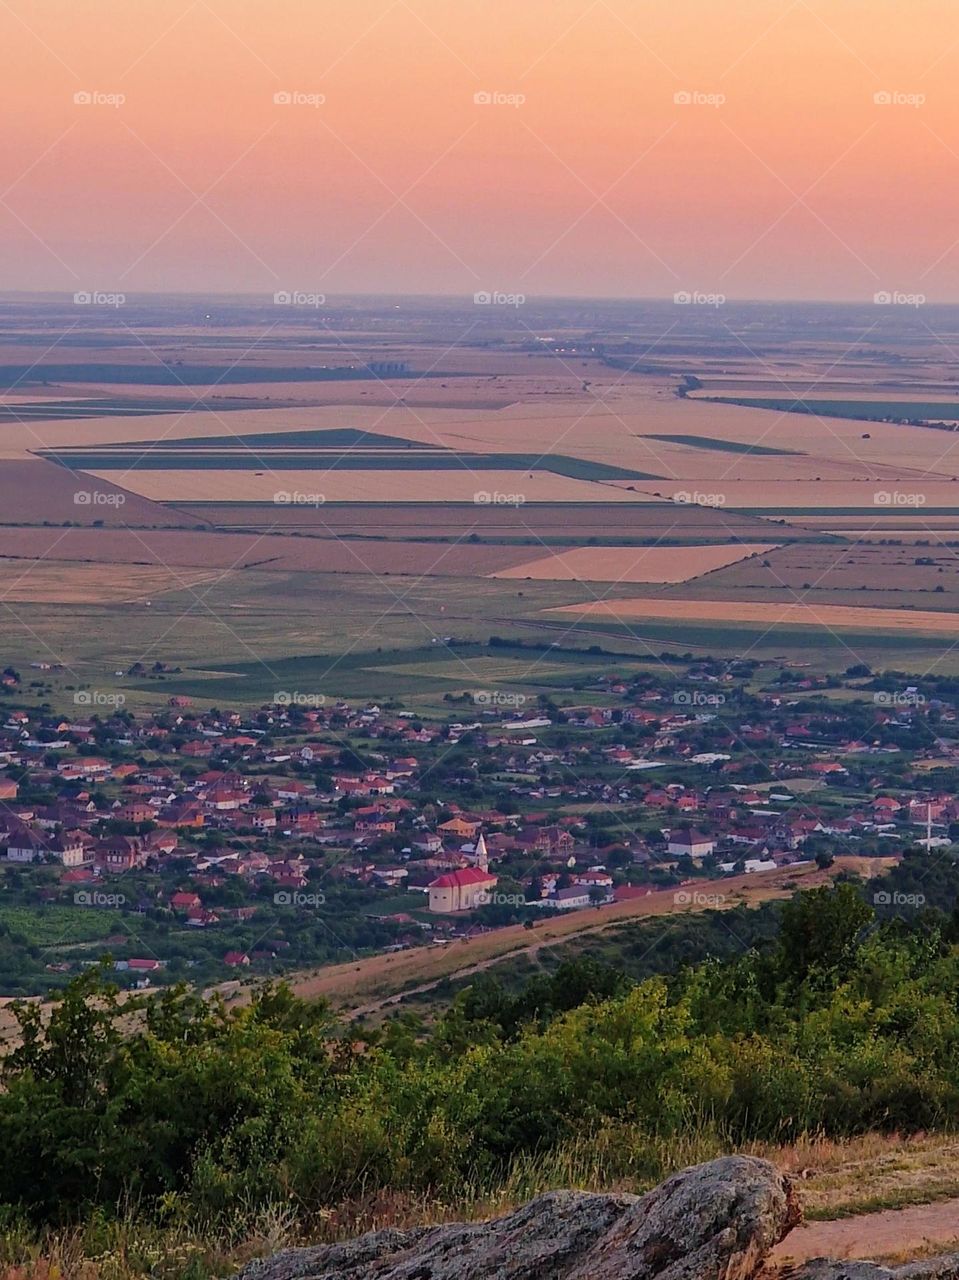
(632, 564)
(839, 617)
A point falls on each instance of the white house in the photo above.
(26, 846)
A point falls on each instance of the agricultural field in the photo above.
(627, 564)
(159, 374)
(830, 617)
(849, 568)
(36, 492)
(147, 457)
(316, 487)
(264, 493)
(533, 523)
(25, 580)
(246, 635)
(925, 534)
(889, 574)
(236, 552)
(726, 446)
(61, 927)
(893, 410)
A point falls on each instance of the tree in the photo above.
(821, 932)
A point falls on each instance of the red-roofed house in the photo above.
(184, 901)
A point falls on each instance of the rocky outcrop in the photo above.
(716, 1221)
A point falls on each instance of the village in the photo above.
(190, 843)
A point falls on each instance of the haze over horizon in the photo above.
(783, 149)
(357, 296)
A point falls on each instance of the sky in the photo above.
(628, 148)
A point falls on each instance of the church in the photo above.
(467, 889)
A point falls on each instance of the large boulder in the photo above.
(716, 1221)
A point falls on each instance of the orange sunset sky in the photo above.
(782, 177)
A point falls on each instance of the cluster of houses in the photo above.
(285, 796)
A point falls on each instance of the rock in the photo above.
(716, 1221)
(945, 1267)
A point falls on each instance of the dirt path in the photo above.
(364, 1010)
(892, 1233)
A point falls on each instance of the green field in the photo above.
(173, 459)
(325, 438)
(117, 407)
(421, 676)
(727, 446)
(823, 650)
(266, 460)
(253, 634)
(342, 449)
(865, 410)
(58, 926)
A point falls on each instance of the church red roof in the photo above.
(470, 875)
